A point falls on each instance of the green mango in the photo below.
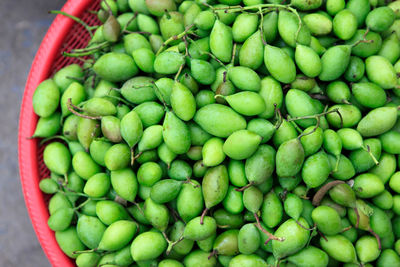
(182, 102)
(251, 54)
(219, 120)
(316, 169)
(339, 248)
(227, 243)
(305, 6)
(215, 185)
(308, 61)
(233, 201)
(271, 210)
(176, 134)
(295, 238)
(279, 64)
(221, 41)
(190, 201)
(248, 239)
(377, 121)
(271, 92)
(289, 158)
(244, 78)
(241, 144)
(69, 242)
(288, 25)
(260, 166)
(381, 71)
(246, 103)
(90, 230)
(196, 231)
(298, 104)
(156, 214)
(327, 219)
(165, 190)
(199, 258)
(244, 26)
(148, 246)
(310, 256)
(334, 62)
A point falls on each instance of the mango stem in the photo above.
(346, 229)
(76, 19)
(368, 150)
(71, 107)
(85, 251)
(261, 27)
(363, 39)
(171, 244)
(130, 21)
(82, 204)
(233, 54)
(313, 116)
(323, 190)
(175, 37)
(52, 138)
(179, 72)
(322, 235)
(278, 114)
(202, 216)
(213, 253)
(245, 187)
(65, 179)
(270, 236)
(378, 239)
(305, 228)
(337, 163)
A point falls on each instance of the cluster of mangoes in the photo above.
(227, 133)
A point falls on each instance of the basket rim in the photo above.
(27, 148)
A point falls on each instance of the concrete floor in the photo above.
(23, 24)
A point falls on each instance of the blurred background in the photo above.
(23, 24)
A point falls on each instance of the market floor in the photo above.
(23, 24)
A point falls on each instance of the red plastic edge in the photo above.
(27, 149)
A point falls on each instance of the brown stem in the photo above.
(186, 46)
(215, 58)
(130, 21)
(363, 39)
(278, 114)
(322, 235)
(323, 190)
(319, 96)
(139, 32)
(377, 238)
(245, 187)
(213, 253)
(203, 215)
(312, 131)
(71, 107)
(346, 229)
(270, 236)
(305, 228)
(109, 8)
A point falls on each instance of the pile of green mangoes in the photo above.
(227, 133)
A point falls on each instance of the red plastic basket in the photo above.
(62, 35)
